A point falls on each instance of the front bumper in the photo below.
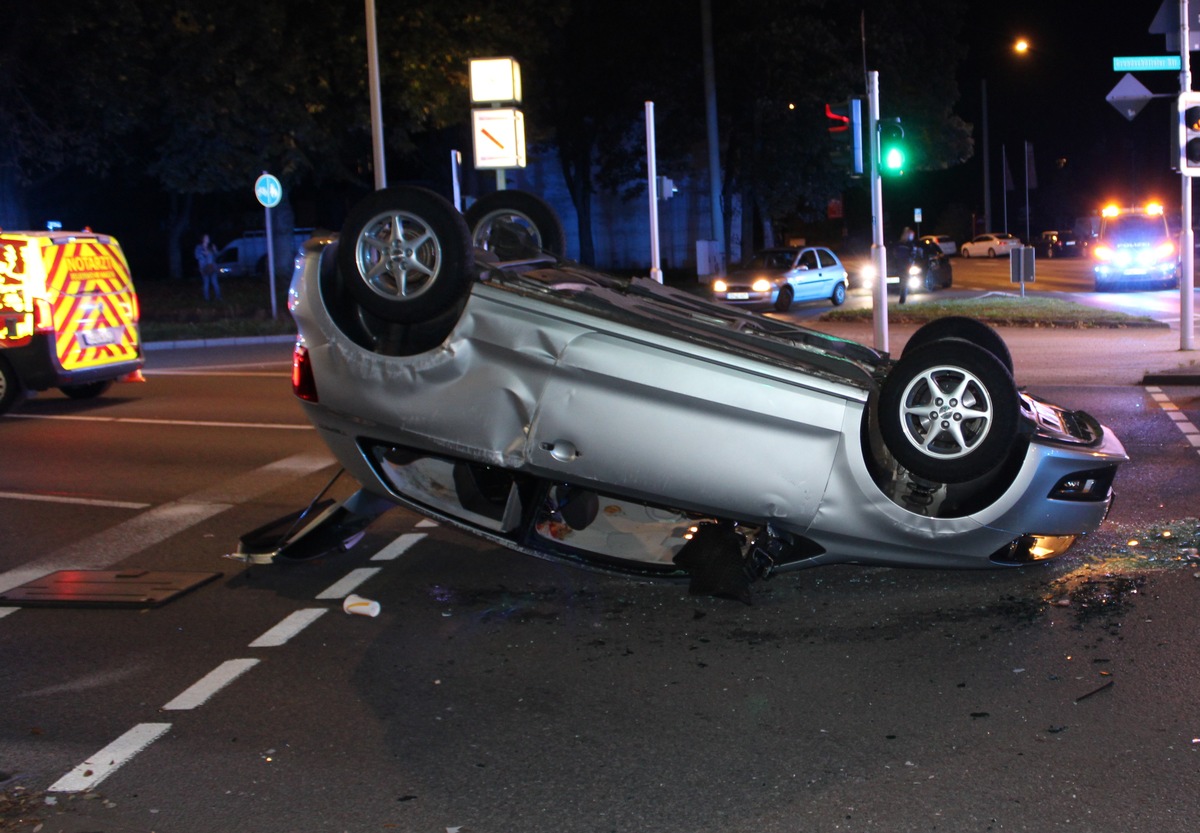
(745, 295)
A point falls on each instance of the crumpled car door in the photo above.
(688, 430)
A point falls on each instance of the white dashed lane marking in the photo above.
(1190, 432)
(105, 762)
(289, 627)
(199, 693)
(109, 759)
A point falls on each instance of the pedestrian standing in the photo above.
(906, 252)
(206, 256)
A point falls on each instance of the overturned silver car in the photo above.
(459, 366)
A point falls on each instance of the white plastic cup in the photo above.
(360, 606)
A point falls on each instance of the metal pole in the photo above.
(455, 164)
(652, 190)
(1028, 234)
(714, 147)
(878, 250)
(270, 260)
(376, 106)
(1187, 242)
(987, 165)
(1004, 185)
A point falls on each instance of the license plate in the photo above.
(738, 296)
(100, 337)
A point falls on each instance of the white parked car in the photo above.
(943, 241)
(991, 244)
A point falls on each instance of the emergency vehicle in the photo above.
(1135, 248)
(68, 314)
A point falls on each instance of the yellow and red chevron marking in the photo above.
(16, 308)
(90, 290)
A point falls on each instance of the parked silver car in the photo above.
(637, 428)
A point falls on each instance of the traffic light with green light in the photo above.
(845, 132)
(1189, 134)
(892, 149)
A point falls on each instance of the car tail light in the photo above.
(303, 383)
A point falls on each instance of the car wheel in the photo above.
(88, 391)
(1050, 253)
(991, 252)
(838, 296)
(783, 300)
(966, 252)
(405, 255)
(11, 391)
(948, 411)
(514, 212)
(966, 329)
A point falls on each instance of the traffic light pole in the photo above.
(878, 250)
(1187, 241)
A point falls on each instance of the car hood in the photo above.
(751, 274)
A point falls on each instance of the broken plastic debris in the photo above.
(359, 606)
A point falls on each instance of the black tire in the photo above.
(488, 216)
(86, 391)
(413, 276)
(783, 301)
(991, 252)
(838, 296)
(966, 253)
(11, 391)
(967, 329)
(948, 412)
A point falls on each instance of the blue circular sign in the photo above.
(268, 190)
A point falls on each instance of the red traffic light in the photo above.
(841, 122)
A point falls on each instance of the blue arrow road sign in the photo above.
(268, 190)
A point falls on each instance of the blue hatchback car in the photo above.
(782, 275)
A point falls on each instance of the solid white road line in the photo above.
(212, 682)
(4, 611)
(75, 501)
(105, 762)
(398, 547)
(289, 627)
(116, 543)
(347, 585)
(191, 423)
(156, 525)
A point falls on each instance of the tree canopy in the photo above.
(196, 97)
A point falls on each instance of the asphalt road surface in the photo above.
(496, 692)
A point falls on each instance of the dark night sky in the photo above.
(1054, 96)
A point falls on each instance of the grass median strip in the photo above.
(1002, 309)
